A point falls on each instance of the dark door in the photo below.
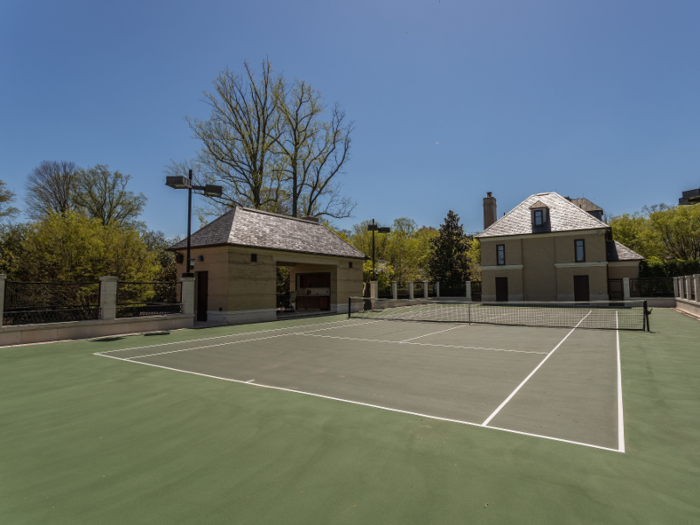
(502, 289)
(202, 295)
(581, 291)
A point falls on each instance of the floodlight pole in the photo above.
(189, 228)
(374, 258)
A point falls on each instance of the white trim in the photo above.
(504, 267)
(389, 409)
(620, 414)
(580, 264)
(548, 234)
(625, 263)
(495, 412)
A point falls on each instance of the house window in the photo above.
(253, 257)
(501, 254)
(350, 264)
(580, 250)
(539, 217)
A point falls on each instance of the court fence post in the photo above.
(410, 290)
(394, 290)
(675, 287)
(469, 290)
(437, 289)
(696, 278)
(626, 288)
(425, 289)
(687, 287)
(187, 295)
(3, 278)
(108, 297)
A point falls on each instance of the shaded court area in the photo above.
(551, 383)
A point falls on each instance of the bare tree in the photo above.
(238, 138)
(267, 144)
(7, 198)
(102, 194)
(50, 188)
(313, 152)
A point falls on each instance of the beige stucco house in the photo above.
(236, 256)
(550, 248)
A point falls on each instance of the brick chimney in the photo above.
(490, 215)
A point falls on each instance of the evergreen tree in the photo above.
(448, 262)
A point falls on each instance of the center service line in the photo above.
(488, 419)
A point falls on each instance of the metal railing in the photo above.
(616, 289)
(136, 299)
(651, 287)
(38, 302)
(476, 291)
(453, 289)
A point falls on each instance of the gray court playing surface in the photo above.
(549, 382)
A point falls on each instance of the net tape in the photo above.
(600, 315)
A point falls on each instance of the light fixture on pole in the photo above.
(180, 182)
(373, 227)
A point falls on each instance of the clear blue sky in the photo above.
(450, 99)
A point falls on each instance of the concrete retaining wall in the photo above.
(687, 306)
(37, 333)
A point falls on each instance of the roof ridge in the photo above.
(263, 212)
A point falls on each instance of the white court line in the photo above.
(350, 401)
(423, 344)
(532, 373)
(231, 335)
(620, 414)
(431, 333)
(229, 342)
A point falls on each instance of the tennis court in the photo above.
(554, 383)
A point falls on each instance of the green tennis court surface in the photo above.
(355, 421)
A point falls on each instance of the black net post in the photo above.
(646, 317)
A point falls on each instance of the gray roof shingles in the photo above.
(259, 229)
(620, 252)
(563, 216)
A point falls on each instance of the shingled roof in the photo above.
(619, 252)
(563, 216)
(260, 229)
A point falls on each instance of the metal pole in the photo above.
(374, 260)
(189, 226)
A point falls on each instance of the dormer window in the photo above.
(539, 214)
(539, 217)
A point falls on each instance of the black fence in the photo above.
(384, 291)
(402, 290)
(141, 299)
(453, 290)
(653, 287)
(476, 291)
(29, 303)
(432, 292)
(418, 289)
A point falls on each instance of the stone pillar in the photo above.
(108, 298)
(394, 290)
(425, 289)
(3, 278)
(469, 291)
(437, 290)
(687, 287)
(187, 295)
(373, 288)
(410, 290)
(696, 278)
(675, 287)
(626, 288)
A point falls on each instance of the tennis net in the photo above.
(601, 315)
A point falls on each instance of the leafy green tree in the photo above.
(102, 194)
(677, 230)
(158, 243)
(635, 231)
(73, 247)
(448, 255)
(50, 188)
(474, 260)
(7, 198)
(11, 248)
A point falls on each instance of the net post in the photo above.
(646, 317)
(349, 306)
